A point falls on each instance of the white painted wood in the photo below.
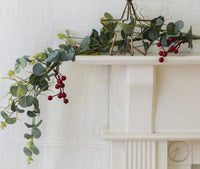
(137, 60)
(119, 155)
(140, 98)
(196, 152)
(118, 99)
(162, 156)
(108, 135)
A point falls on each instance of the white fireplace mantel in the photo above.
(154, 111)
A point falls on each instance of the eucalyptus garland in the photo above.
(24, 92)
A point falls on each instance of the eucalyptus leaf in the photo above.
(153, 34)
(179, 25)
(28, 125)
(39, 123)
(108, 16)
(27, 152)
(4, 115)
(26, 101)
(35, 150)
(127, 29)
(19, 110)
(23, 62)
(53, 56)
(27, 136)
(31, 113)
(13, 107)
(27, 58)
(17, 68)
(36, 132)
(13, 90)
(38, 69)
(11, 120)
(24, 90)
(44, 85)
(85, 42)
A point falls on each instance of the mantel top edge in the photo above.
(137, 60)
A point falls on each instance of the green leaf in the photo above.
(28, 125)
(127, 29)
(13, 90)
(153, 34)
(39, 123)
(23, 62)
(44, 85)
(17, 68)
(11, 73)
(22, 90)
(3, 124)
(11, 120)
(19, 110)
(35, 150)
(31, 113)
(85, 42)
(53, 56)
(27, 136)
(179, 25)
(27, 58)
(38, 69)
(13, 107)
(26, 101)
(108, 16)
(27, 152)
(67, 32)
(146, 45)
(36, 103)
(36, 132)
(171, 29)
(189, 38)
(4, 115)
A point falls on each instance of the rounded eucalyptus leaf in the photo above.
(26, 101)
(27, 152)
(179, 25)
(13, 90)
(11, 120)
(171, 29)
(23, 62)
(127, 29)
(153, 34)
(38, 69)
(85, 42)
(35, 150)
(36, 133)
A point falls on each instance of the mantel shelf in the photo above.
(108, 135)
(137, 60)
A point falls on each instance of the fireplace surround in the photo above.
(154, 111)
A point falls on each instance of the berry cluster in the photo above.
(60, 85)
(174, 46)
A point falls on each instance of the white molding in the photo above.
(120, 136)
(137, 60)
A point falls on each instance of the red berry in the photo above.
(64, 78)
(159, 44)
(172, 48)
(161, 59)
(60, 95)
(164, 54)
(64, 95)
(176, 51)
(57, 86)
(184, 41)
(62, 85)
(161, 53)
(171, 39)
(59, 81)
(50, 97)
(66, 101)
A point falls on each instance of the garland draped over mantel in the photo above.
(24, 92)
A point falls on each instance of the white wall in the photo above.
(71, 134)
